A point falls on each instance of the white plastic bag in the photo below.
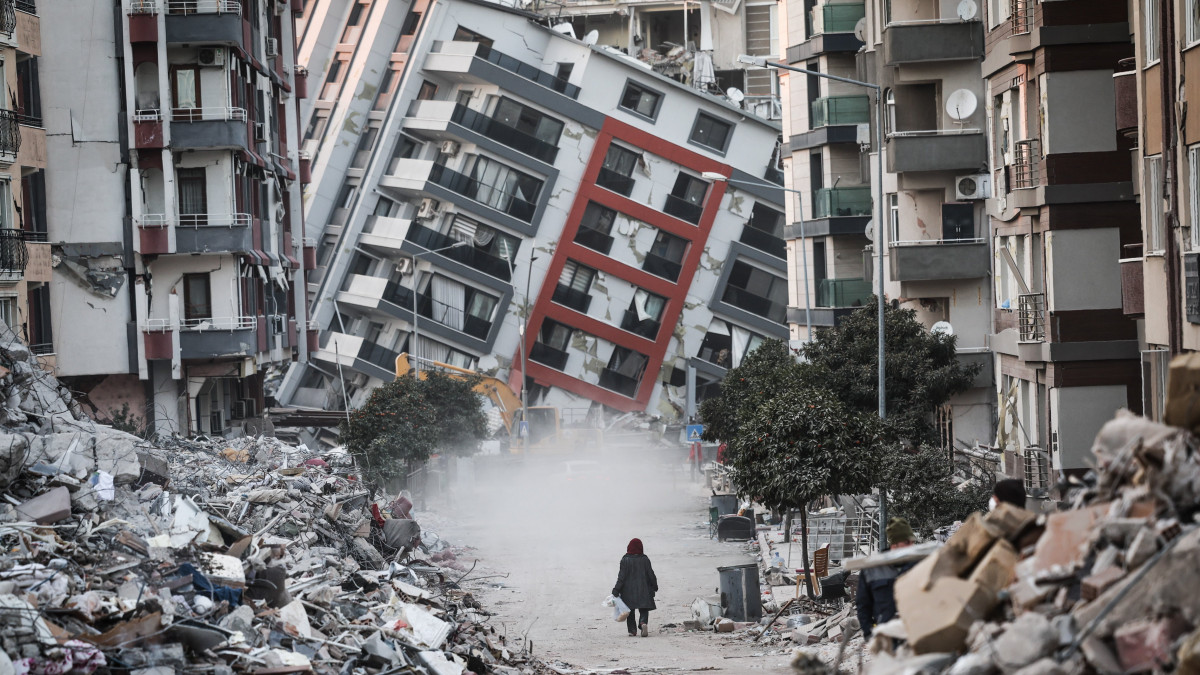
(620, 610)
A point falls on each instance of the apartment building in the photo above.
(507, 198)
(1161, 267)
(1062, 213)
(926, 59)
(175, 209)
(24, 255)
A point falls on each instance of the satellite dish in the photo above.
(860, 29)
(942, 328)
(967, 10)
(592, 37)
(961, 104)
(735, 94)
(869, 230)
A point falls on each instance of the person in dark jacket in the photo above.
(636, 586)
(875, 601)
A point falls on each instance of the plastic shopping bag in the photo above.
(620, 610)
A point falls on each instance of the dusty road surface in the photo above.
(558, 525)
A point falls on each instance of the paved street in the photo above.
(558, 525)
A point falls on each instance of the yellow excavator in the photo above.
(545, 425)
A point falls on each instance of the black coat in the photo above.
(636, 583)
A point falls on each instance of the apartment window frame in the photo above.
(1193, 155)
(555, 333)
(1191, 22)
(10, 314)
(528, 120)
(894, 215)
(194, 177)
(642, 92)
(691, 189)
(577, 276)
(197, 309)
(190, 112)
(1151, 40)
(705, 124)
(1152, 198)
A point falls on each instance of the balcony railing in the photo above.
(204, 7)
(647, 328)
(843, 293)
(527, 71)
(611, 180)
(847, 201)
(467, 255)
(208, 220)
(439, 312)
(501, 200)
(8, 18)
(1031, 317)
(829, 110)
(10, 133)
(378, 355)
(27, 6)
(763, 241)
(504, 134)
(205, 114)
(661, 267)
(837, 18)
(755, 304)
(223, 323)
(548, 356)
(572, 297)
(1025, 164)
(14, 254)
(1022, 16)
(594, 239)
(683, 209)
(622, 384)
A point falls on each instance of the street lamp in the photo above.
(762, 62)
(713, 175)
(507, 255)
(416, 333)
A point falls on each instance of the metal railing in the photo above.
(683, 209)
(1031, 317)
(143, 7)
(548, 356)
(14, 254)
(378, 355)
(147, 115)
(847, 201)
(204, 7)
(754, 303)
(853, 292)
(500, 199)
(837, 18)
(896, 243)
(207, 114)
(622, 384)
(10, 133)
(8, 18)
(230, 220)
(1022, 16)
(218, 323)
(1037, 470)
(153, 221)
(527, 71)
(1025, 164)
(574, 298)
(594, 239)
(763, 241)
(504, 134)
(661, 267)
(647, 328)
(27, 6)
(611, 180)
(468, 255)
(829, 110)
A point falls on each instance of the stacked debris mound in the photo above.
(1108, 586)
(215, 556)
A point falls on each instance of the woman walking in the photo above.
(636, 586)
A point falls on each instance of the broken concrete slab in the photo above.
(47, 508)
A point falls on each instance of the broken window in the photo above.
(644, 314)
(197, 297)
(665, 257)
(618, 166)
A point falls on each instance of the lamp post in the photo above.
(713, 175)
(761, 62)
(416, 361)
(507, 255)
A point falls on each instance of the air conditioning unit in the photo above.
(404, 265)
(278, 324)
(450, 148)
(239, 409)
(429, 208)
(260, 132)
(978, 186)
(210, 57)
(272, 46)
(216, 422)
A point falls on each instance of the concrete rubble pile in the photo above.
(1108, 586)
(214, 556)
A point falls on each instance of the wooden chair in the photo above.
(818, 571)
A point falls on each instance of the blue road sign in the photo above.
(523, 429)
(694, 432)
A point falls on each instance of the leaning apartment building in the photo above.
(545, 187)
(174, 211)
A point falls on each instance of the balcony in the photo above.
(464, 58)
(386, 233)
(928, 41)
(378, 356)
(937, 150)
(504, 134)
(467, 255)
(939, 260)
(217, 337)
(548, 356)
(843, 292)
(661, 267)
(14, 255)
(622, 384)
(8, 19)
(1031, 317)
(1133, 292)
(755, 304)
(834, 110)
(683, 209)
(1024, 172)
(204, 22)
(611, 180)
(207, 128)
(847, 201)
(212, 233)
(594, 239)
(763, 241)
(455, 318)
(10, 136)
(837, 17)
(489, 195)
(527, 71)
(572, 297)
(647, 328)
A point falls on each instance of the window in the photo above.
(766, 219)
(366, 143)
(686, 200)
(41, 333)
(599, 218)
(527, 120)
(387, 87)
(1194, 194)
(185, 89)
(894, 215)
(1191, 22)
(197, 297)
(640, 100)
(711, 132)
(316, 125)
(33, 204)
(388, 208)
(889, 98)
(665, 257)
(1150, 37)
(554, 334)
(8, 312)
(577, 277)
(193, 195)
(625, 368)
(563, 71)
(468, 35)
(504, 188)
(756, 291)
(644, 314)
(333, 80)
(29, 96)
(427, 92)
(1152, 202)
(617, 168)
(353, 23)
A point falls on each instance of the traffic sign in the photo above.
(523, 429)
(694, 432)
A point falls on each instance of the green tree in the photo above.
(404, 421)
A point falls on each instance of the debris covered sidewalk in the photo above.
(214, 556)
